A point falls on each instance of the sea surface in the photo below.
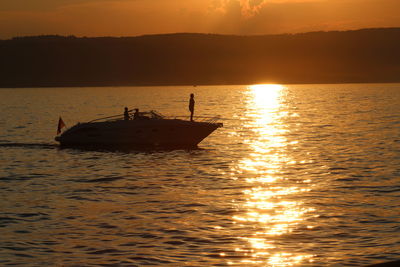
(300, 175)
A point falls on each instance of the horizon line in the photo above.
(200, 33)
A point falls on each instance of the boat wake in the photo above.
(98, 148)
(30, 145)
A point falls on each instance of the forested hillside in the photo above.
(369, 55)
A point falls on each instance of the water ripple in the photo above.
(298, 176)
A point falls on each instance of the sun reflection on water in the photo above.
(271, 206)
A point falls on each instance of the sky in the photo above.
(241, 17)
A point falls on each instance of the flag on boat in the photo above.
(61, 124)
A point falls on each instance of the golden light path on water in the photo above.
(271, 205)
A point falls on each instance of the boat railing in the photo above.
(155, 115)
(149, 114)
(109, 118)
(206, 119)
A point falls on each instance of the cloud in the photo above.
(290, 16)
(247, 8)
(105, 18)
(137, 17)
(250, 8)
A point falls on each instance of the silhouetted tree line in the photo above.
(369, 55)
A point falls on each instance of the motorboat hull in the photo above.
(140, 133)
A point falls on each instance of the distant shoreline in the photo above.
(55, 36)
(199, 85)
(336, 57)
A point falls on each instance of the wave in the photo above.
(30, 145)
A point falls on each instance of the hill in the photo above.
(368, 55)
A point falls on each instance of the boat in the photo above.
(140, 130)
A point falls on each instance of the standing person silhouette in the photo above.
(126, 114)
(191, 106)
(136, 114)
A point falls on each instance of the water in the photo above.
(300, 175)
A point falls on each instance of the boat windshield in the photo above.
(155, 115)
(152, 114)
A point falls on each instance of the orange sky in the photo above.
(138, 17)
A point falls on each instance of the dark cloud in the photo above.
(41, 5)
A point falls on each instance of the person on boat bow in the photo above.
(191, 106)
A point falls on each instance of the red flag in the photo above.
(61, 124)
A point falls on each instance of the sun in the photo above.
(274, 87)
(266, 95)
